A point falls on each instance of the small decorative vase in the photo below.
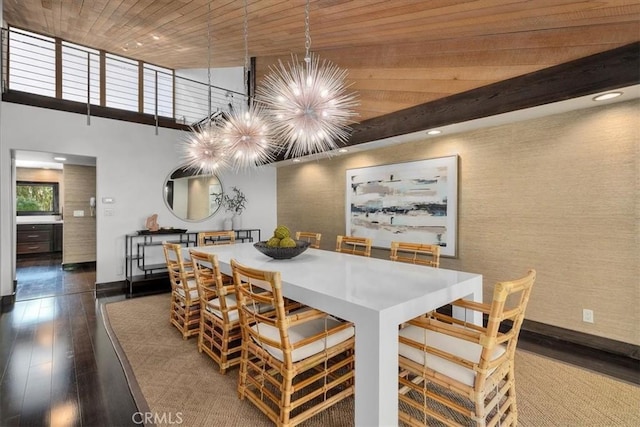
(227, 224)
(237, 222)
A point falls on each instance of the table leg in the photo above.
(474, 317)
(376, 397)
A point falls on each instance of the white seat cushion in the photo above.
(213, 305)
(193, 290)
(464, 349)
(232, 304)
(302, 331)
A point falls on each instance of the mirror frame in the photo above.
(183, 171)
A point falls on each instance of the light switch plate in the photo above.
(78, 213)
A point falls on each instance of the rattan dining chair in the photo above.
(206, 238)
(185, 304)
(219, 335)
(294, 364)
(354, 245)
(226, 237)
(312, 238)
(415, 253)
(456, 373)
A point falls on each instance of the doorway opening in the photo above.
(55, 242)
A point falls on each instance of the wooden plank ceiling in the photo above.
(399, 53)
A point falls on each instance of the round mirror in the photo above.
(191, 195)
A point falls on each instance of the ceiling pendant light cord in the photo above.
(307, 35)
(246, 51)
(209, 60)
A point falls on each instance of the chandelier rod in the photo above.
(246, 50)
(209, 60)
(307, 35)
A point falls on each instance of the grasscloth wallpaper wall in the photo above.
(558, 194)
(79, 233)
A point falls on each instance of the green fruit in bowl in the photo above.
(273, 242)
(281, 232)
(287, 242)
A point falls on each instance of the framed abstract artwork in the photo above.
(410, 202)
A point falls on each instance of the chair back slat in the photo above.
(312, 238)
(354, 245)
(509, 304)
(415, 253)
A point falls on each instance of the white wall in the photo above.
(132, 165)
(191, 99)
(230, 78)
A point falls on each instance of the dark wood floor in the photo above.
(58, 364)
(59, 367)
(42, 276)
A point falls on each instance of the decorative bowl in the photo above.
(282, 253)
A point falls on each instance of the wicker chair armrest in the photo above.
(319, 336)
(469, 364)
(458, 329)
(452, 320)
(297, 318)
(477, 306)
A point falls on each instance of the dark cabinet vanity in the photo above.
(39, 238)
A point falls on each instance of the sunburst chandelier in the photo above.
(247, 129)
(245, 134)
(203, 148)
(310, 107)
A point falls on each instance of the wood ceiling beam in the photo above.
(604, 71)
(595, 73)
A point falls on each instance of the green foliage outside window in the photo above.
(36, 197)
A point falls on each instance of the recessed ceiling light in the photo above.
(60, 159)
(296, 160)
(155, 37)
(343, 150)
(608, 95)
(434, 132)
(138, 44)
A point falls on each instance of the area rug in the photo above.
(171, 379)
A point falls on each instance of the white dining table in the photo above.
(376, 295)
